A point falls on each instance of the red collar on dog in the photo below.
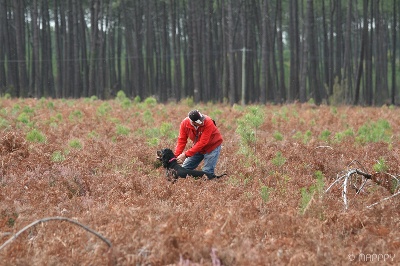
(171, 160)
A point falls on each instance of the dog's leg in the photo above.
(175, 173)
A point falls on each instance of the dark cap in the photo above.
(196, 116)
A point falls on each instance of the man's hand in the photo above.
(181, 158)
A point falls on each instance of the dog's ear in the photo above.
(169, 153)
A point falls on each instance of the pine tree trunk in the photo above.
(282, 86)
(264, 54)
(347, 69)
(76, 63)
(93, 47)
(232, 86)
(339, 30)
(394, 38)
(196, 49)
(47, 51)
(36, 73)
(83, 51)
(176, 91)
(58, 52)
(20, 43)
(65, 68)
(362, 52)
(294, 51)
(305, 58)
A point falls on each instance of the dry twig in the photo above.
(376, 203)
(51, 219)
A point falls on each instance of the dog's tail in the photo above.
(217, 176)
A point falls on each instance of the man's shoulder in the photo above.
(186, 123)
(209, 122)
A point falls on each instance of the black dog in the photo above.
(168, 159)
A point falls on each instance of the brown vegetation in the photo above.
(113, 184)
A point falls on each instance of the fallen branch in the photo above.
(346, 181)
(345, 177)
(394, 177)
(59, 219)
(328, 147)
(376, 203)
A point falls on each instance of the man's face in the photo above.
(197, 124)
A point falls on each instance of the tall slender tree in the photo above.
(294, 50)
(3, 23)
(165, 85)
(94, 16)
(347, 64)
(195, 57)
(65, 45)
(394, 48)
(20, 44)
(35, 87)
(47, 52)
(264, 54)
(58, 49)
(232, 87)
(101, 44)
(174, 49)
(305, 56)
(339, 41)
(282, 86)
(362, 52)
(325, 51)
(368, 58)
(331, 60)
(173, 8)
(83, 52)
(76, 62)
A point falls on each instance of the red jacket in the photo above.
(208, 137)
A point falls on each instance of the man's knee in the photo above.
(190, 163)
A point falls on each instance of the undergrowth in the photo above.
(95, 162)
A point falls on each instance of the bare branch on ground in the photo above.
(59, 219)
(346, 178)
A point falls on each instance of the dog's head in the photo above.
(165, 156)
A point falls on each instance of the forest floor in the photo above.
(73, 166)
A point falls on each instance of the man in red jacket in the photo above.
(206, 139)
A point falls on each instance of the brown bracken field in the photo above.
(80, 185)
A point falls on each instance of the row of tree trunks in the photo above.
(253, 51)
